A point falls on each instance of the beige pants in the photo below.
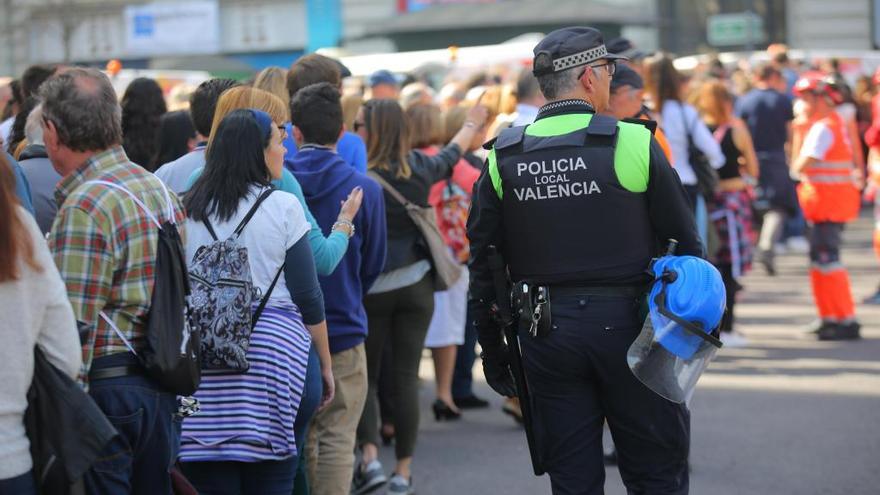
(332, 434)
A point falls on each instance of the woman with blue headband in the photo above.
(243, 440)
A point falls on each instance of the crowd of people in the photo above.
(319, 189)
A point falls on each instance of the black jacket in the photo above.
(66, 429)
(405, 244)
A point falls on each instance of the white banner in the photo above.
(183, 28)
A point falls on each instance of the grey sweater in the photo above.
(34, 310)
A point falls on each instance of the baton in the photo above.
(508, 324)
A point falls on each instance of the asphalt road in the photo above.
(786, 415)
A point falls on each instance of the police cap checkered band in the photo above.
(570, 47)
(578, 59)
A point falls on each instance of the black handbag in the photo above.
(707, 177)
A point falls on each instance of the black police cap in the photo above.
(570, 47)
(625, 47)
(625, 76)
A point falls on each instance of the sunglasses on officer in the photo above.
(610, 66)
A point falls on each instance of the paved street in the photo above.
(785, 416)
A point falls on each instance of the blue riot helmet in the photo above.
(685, 305)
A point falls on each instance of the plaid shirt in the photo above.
(105, 248)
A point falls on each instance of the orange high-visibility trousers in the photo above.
(831, 291)
(877, 240)
(830, 280)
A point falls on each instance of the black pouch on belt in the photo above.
(534, 309)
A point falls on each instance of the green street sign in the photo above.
(735, 29)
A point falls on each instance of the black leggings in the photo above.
(399, 317)
(731, 287)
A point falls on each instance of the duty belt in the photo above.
(613, 291)
(534, 301)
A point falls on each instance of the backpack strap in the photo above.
(118, 332)
(210, 229)
(169, 212)
(265, 298)
(251, 212)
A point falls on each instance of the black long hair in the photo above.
(142, 106)
(16, 134)
(234, 162)
(175, 131)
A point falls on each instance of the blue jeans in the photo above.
(314, 390)
(138, 461)
(20, 485)
(463, 378)
(241, 478)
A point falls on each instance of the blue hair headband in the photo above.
(264, 121)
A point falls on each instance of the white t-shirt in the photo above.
(678, 120)
(6, 130)
(276, 226)
(818, 141)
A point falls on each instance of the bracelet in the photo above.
(344, 223)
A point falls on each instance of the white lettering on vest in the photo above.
(553, 167)
(556, 190)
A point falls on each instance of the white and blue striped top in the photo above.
(249, 417)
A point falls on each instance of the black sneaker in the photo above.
(368, 479)
(840, 331)
(470, 402)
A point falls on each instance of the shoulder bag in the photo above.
(446, 269)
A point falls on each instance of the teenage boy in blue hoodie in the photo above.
(326, 180)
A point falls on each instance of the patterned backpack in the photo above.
(452, 220)
(223, 295)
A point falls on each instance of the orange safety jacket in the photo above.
(827, 192)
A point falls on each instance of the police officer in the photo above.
(578, 204)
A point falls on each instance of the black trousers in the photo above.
(579, 378)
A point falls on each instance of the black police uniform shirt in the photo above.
(567, 203)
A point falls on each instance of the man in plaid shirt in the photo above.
(105, 248)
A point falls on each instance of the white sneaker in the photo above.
(780, 248)
(734, 340)
(798, 245)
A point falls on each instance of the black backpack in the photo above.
(171, 354)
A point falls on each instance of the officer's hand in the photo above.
(496, 367)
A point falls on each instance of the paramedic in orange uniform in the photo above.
(829, 197)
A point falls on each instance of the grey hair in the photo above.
(414, 93)
(82, 105)
(33, 127)
(557, 83)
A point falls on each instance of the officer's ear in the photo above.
(585, 80)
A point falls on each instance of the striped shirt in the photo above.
(249, 417)
(105, 248)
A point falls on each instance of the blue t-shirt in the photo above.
(350, 148)
(766, 112)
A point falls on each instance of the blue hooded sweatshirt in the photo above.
(351, 149)
(326, 180)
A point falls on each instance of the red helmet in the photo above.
(818, 84)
